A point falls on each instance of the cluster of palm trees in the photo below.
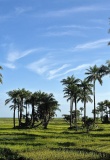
(77, 90)
(103, 108)
(43, 106)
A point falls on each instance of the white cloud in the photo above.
(64, 12)
(64, 33)
(46, 67)
(91, 45)
(15, 55)
(74, 26)
(9, 65)
(40, 67)
(78, 68)
(4, 17)
(20, 10)
(54, 71)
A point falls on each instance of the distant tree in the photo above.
(93, 75)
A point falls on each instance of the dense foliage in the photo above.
(43, 107)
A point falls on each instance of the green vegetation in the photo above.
(25, 138)
(55, 143)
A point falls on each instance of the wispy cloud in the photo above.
(64, 33)
(54, 71)
(47, 68)
(21, 10)
(16, 12)
(92, 45)
(9, 65)
(74, 26)
(5, 17)
(98, 21)
(60, 13)
(15, 55)
(40, 66)
(78, 68)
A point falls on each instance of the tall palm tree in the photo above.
(71, 92)
(14, 99)
(86, 93)
(93, 75)
(1, 75)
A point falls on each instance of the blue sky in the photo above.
(42, 42)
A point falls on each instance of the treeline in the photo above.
(44, 105)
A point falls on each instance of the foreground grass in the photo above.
(55, 143)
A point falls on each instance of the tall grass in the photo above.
(55, 143)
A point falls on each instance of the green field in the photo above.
(55, 143)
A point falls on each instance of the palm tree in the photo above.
(14, 99)
(22, 96)
(85, 94)
(107, 105)
(71, 92)
(105, 69)
(47, 107)
(1, 75)
(27, 102)
(34, 100)
(93, 75)
(101, 108)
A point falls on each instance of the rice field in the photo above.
(55, 143)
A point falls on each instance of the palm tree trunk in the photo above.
(26, 113)
(45, 123)
(94, 102)
(84, 111)
(32, 116)
(71, 109)
(76, 113)
(18, 115)
(14, 117)
(21, 109)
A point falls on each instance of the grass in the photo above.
(55, 143)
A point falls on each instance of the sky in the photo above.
(44, 41)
